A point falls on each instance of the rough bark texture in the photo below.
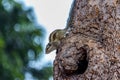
(91, 49)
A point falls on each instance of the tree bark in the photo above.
(91, 49)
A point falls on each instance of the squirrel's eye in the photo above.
(49, 44)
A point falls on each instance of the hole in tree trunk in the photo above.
(82, 66)
(83, 63)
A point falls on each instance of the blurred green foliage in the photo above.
(20, 42)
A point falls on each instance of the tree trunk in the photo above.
(91, 49)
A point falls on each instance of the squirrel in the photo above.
(54, 39)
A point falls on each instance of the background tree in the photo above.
(20, 42)
(91, 49)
